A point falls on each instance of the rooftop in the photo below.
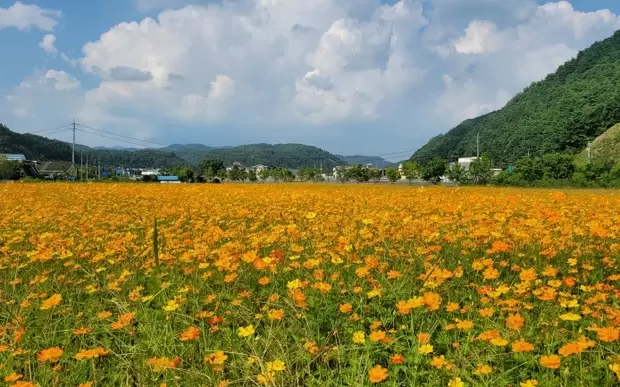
(12, 156)
(167, 178)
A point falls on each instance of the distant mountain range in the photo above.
(282, 155)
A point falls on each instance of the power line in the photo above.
(112, 138)
(57, 131)
(65, 126)
(120, 135)
(139, 142)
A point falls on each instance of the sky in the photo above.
(372, 77)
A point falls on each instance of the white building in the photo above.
(465, 162)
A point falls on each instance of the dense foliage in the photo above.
(279, 155)
(558, 114)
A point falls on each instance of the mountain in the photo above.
(115, 148)
(42, 148)
(561, 113)
(283, 155)
(375, 161)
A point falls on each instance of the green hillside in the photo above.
(42, 148)
(281, 155)
(561, 113)
(605, 147)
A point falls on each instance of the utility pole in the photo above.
(81, 165)
(589, 151)
(478, 145)
(99, 170)
(73, 149)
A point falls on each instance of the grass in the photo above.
(604, 147)
(277, 284)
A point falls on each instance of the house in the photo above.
(235, 164)
(50, 169)
(12, 157)
(259, 168)
(168, 179)
(465, 162)
(149, 172)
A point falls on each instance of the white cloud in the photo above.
(24, 16)
(198, 107)
(42, 101)
(326, 70)
(480, 37)
(47, 44)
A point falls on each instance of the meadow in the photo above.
(307, 285)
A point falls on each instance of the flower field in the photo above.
(307, 285)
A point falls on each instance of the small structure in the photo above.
(465, 162)
(51, 169)
(12, 157)
(149, 172)
(235, 164)
(168, 179)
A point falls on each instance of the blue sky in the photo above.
(366, 77)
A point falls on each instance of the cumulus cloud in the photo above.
(25, 16)
(47, 44)
(304, 70)
(480, 37)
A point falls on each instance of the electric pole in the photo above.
(589, 151)
(73, 149)
(82, 165)
(478, 145)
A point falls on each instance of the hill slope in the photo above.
(558, 114)
(42, 148)
(605, 147)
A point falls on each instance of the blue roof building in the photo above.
(13, 157)
(168, 179)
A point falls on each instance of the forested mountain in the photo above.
(280, 155)
(558, 114)
(41, 148)
(376, 161)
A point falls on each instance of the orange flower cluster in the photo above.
(307, 284)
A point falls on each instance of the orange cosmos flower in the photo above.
(515, 322)
(397, 359)
(522, 346)
(345, 308)
(550, 361)
(377, 374)
(608, 334)
(81, 331)
(216, 358)
(191, 333)
(51, 355)
(51, 302)
(13, 377)
(439, 361)
(91, 353)
(161, 363)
